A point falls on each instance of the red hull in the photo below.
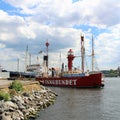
(93, 80)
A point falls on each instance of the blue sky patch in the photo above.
(6, 7)
(94, 30)
(10, 9)
(75, 1)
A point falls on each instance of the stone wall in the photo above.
(26, 105)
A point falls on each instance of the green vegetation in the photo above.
(110, 73)
(17, 86)
(4, 96)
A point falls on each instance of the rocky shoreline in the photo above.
(26, 105)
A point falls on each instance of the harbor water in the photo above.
(85, 104)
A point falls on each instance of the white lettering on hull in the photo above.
(61, 82)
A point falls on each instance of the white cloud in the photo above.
(9, 25)
(99, 13)
(53, 20)
(8, 58)
(108, 47)
(2, 45)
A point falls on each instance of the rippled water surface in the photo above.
(85, 104)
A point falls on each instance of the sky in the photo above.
(32, 23)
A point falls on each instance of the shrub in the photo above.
(4, 96)
(17, 86)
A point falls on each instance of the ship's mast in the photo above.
(46, 57)
(47, 44)
(92, 54)
(18, 64)
(82, 53)
(29, 58)
(26, 58)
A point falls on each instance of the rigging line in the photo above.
(86, 63)
(96, 65)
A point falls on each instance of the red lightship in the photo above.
(72, 78)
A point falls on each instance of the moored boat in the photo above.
(72, 78)
(92, 80)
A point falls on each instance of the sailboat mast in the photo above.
(92, 54)
(82, 53)
(26, 58)
(18, 64)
